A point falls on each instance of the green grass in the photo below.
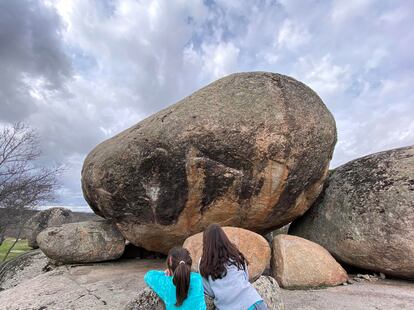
(20, 248)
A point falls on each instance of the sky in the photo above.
(80, 71)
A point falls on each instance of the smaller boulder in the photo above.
(146, 299)
(300, 263)
(269, 290)
(83, 242)
(44, 219)
(253, 246)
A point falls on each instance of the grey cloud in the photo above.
(30, 47)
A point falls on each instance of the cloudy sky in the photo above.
(80, 71)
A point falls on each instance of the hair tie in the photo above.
(182, 262)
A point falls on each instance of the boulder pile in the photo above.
(365, 217)
(250, 152)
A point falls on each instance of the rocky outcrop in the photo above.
(250, 150)
(44, 219)
(267, 287)
(269, 290)
(83, 242)
(22, 268)
(146, 299)
(253, 246)
(107, 285)
(300, 263)
(365, 217)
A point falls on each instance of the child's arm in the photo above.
(207, 288)
(159, 282)
(246, 271)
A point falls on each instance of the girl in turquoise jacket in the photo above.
(177, 286)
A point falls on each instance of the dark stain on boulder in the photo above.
(217, 181)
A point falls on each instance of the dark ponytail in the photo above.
(179, 262)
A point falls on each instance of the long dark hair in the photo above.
(219, 252)
(179, 262)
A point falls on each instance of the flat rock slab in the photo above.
(107, 285)
(22, 268)
(384, 294)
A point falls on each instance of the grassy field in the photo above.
(20, 248)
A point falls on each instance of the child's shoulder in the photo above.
(195, 275)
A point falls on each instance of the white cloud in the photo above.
(324, 76)
(292, 35)
(344, 10)
(377, 57)
(379, 118)
(219, 60)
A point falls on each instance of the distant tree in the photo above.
(23, 184)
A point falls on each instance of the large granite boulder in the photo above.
(44, 219)
(365, 216)
(253, 246)
(250, 150)
(298, 263)
(267, 288)
(83, 242)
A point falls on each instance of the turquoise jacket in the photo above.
(165, 289)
